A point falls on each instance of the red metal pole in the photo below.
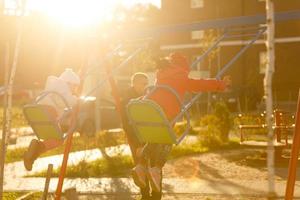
(116, 95)
(65, 161)
(290, 185)
(68, 144)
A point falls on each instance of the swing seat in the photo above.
(150, 123)
(43, 121)
(43, 118)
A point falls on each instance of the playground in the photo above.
(118, 105)
(238, 173)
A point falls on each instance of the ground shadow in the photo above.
(257, 158)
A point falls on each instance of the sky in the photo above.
(78, 13)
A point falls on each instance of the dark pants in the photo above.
(157, 154)
(145, 192)
(154, 158)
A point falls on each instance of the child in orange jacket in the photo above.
(172, 72)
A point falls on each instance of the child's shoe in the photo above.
(31, 154)
(139, 176)
(155, 177)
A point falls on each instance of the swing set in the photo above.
(46, 126)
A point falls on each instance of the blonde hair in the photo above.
(138, 75)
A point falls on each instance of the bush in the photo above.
(180, 128)
(211, 136)
(225, 120)
(217, 126)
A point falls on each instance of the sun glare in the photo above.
(80, 13)
(75, 13)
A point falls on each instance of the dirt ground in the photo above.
(241, 164)
(174, 197)
(247, 164)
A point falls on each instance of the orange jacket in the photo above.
(176, 76)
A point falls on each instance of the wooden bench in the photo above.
(280, 130)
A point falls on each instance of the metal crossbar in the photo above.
(215, 24)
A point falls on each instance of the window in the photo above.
(263, 60)
(196, 35)
(197, 3)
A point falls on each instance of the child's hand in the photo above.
(227, 80)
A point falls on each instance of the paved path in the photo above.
(20, 131)
(125, 186)
(17, 170)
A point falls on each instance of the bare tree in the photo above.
(9, 85)
(268, 91)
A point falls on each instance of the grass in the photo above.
(11, 195)
(18, 119)
(102, 139)
(119, 166)
(15, 195)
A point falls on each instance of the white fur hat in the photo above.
(70, 76)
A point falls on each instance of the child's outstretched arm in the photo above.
(206, 85)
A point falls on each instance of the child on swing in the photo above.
(65, 85)
(172, 71)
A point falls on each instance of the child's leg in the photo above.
(32, 153)
(36, 148)
(139, 172)
(160, 158)
(156, 195)
(134, 144)
(50, 144)
(157, 161)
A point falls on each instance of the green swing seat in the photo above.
(150, 123)
(42, 119)
(43, 124)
